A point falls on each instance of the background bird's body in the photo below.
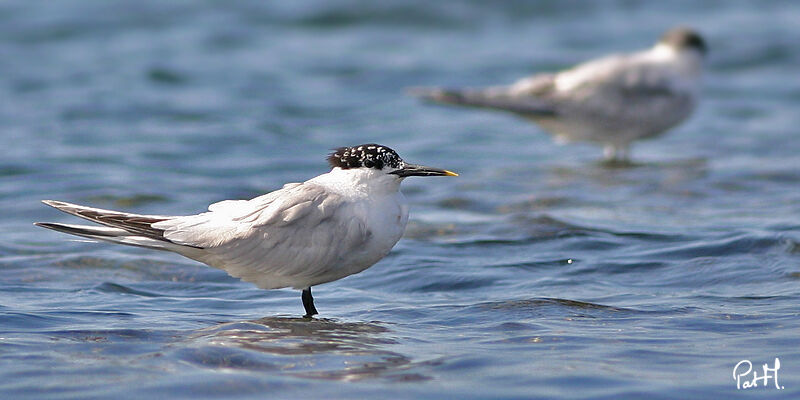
(329, 227)
(612, 101)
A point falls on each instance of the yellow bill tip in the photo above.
(450, 173)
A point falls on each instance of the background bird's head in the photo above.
(682, 39)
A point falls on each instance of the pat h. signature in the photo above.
(746, 377)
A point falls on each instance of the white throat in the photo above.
(368, 181)
(689, 61)
(663, 51)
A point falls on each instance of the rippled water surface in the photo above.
(538, 273)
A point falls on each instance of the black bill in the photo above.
(421, 170)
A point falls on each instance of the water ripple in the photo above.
(318, 349)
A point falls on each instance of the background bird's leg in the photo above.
(308, 303)
(616, 153)
(610, 152)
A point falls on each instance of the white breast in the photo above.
(384, 211)
(375, 201)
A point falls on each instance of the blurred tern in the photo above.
(326, 228)
(612, 101)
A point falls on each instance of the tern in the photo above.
(612, 101)
(305, 234)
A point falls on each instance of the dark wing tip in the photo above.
(436, 94)
(87, 232)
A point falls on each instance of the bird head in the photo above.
(380, 159)
(682, 38)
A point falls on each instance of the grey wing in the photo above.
(293, 239)
(239, 208)
(623, 90)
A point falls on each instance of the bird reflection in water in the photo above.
(317, 349)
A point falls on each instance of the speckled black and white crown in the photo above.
(369, 155)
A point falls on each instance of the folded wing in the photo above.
(624, 91)
(297, 234)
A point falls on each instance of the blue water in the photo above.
(538, 273)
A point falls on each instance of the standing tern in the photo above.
(326, 228)
(611, 101)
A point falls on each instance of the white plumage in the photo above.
(334, 225)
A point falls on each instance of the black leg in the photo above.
(308, 303)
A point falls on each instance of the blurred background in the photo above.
(538, 273)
